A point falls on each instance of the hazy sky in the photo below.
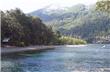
(31, 5)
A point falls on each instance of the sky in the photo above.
(31, 5)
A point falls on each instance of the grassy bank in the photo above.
(71, 40)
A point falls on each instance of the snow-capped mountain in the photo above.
(54, 11)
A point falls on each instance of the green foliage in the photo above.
(23, 30)
(103, 5)
(80, 21)
(71, 41)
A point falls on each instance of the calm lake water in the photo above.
(88, 58)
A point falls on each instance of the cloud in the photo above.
(30, 5)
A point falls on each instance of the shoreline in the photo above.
(24, 49)
(7, 50)
(14, 49)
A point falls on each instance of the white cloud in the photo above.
(30, 5)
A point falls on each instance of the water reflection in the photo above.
(91, 58)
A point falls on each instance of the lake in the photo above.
(86, 58)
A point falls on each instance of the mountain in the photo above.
(78, 21)
(51, 12)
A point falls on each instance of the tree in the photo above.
(103, 5)
(24, 30)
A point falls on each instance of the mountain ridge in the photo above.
(78, 21)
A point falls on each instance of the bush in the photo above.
(70, 40)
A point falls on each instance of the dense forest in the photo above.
(67, 25)
(24, 30)
(20, 29)
(91, 23)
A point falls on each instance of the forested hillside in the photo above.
(79, 21)
(23, 30)
(19, 29)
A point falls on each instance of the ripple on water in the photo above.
(90, 58)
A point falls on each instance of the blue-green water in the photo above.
(89, 58)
